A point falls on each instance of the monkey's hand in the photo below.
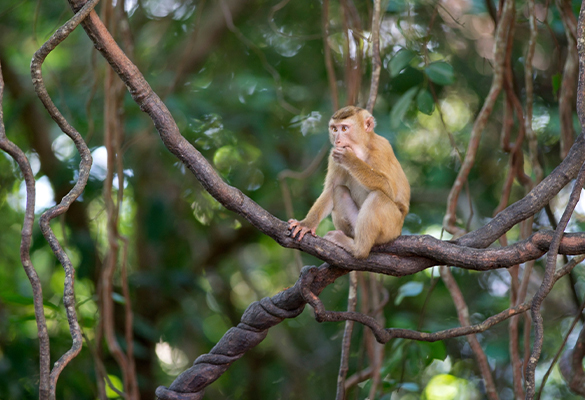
(297, 228)
(343, 155)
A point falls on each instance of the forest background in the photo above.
(477, 98)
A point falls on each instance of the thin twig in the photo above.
(456, 150)
(25, 244)
(376, 62)
(353, 73)
(346, 342)
(328, 57)
(577, 318)
(384, 335)
(463, 315)
(532, 140)
(112, 138)
(547, 284)
(213, 365)
(566, 92)
(84, 167)
(449, 221)
(581, 51)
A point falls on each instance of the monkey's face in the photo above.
(346, 132)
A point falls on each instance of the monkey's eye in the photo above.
(334, 129)
(344, 128)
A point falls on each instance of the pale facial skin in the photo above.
(345, 137)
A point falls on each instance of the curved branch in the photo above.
(256, 320)
(547, 285)
(409, 254)
(560, 351)
(385, 335)
(481, 120)
(262, 315)
(571, 365)
(84, 167)
(463, 315)
(533, 202)
(402, 261)
(26, 239)
(581, 51)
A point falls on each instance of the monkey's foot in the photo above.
(340, 239)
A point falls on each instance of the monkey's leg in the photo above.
(345, 211)
(345, 214)
(379, 221)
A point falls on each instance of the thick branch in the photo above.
(532, 203)
(408, 254)
(234, 200)
(256, 320)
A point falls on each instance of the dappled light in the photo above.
(154, 151)
(449, 387)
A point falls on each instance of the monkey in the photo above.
(365, 191)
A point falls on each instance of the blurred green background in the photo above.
(255, 101)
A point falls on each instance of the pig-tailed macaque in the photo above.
(365, 190)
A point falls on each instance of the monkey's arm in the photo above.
(369, 177)
(322, 207)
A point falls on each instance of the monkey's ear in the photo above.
(370, 123)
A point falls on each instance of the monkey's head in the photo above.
(351, 126)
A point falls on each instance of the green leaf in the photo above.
(556, 83)
(400, 61)
(438, 350)
(401, 107)
(425, 102)
(225, 158)
(19, 300)
(409, 289)
(441, 73)
(115, 382)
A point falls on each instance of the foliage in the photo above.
(194, 266)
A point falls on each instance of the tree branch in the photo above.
(406, 255)
(463, 315)
(25, 244)
(481, 120)
(376, 62)
(84, 167)
(547, 285)
(566, 92)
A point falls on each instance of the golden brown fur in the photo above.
(365, 190)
